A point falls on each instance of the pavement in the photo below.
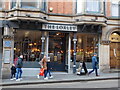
(59, 77)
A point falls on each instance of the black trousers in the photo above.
(12, 74)
(84, 67)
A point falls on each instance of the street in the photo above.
(82, 84)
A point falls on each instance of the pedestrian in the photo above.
(46, 65)
(82, 65)
(94, 64)
(49, 68)
(13, 72)
(19, 68)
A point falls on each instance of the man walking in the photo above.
(19, 70)
(94, 64)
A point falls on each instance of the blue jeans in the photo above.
(18, 73)
(94, 69)
(46, 72)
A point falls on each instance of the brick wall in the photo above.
(61, 6)
(108, 8)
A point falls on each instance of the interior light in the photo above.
(114, 33)
(30, 44)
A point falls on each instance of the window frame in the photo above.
(99, 8)
(112, 9)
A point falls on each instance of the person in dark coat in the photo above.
(94, 64)
(49, 68)
(19, 68)
(13, 72)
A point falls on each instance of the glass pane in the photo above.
(87, 44)
(0, 4)
(29, 4)
(79, 6)
(115, 10)
(13, 4)
(29, 44)
(57, 46)
(93, 5)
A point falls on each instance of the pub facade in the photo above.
(67, 35)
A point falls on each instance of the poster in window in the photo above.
(7, 56)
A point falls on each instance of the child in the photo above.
(13, 71)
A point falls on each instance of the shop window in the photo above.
(0, 4)
(93, 6)
(115, 9)
(87, 44)
(29, 44)
(79, 6)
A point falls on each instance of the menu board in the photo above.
(7, 56)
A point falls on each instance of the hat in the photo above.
(94, 53)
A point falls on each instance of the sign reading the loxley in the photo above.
(59, 27)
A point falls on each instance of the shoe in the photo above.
(97, 75)
(51, 77)
(14, 78)
(46, 78)
(38, 76)
(17, 79)
(11, 79)
(21, 79)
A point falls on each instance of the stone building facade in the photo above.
(67, 31)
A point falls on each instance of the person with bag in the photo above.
(45, 65)
(94, 64)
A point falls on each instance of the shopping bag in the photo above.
(41, 72)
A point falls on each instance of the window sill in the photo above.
(114, 17)
(28, 10)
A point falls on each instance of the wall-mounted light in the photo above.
(51, 9)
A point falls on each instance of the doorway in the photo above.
(57, 50)
(115, 50)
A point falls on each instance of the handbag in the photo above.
(41, 72)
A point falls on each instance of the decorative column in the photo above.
(8, 49)
(43, 45)
(104, 56)
(74, 54)
(46, 43)
(69, 54)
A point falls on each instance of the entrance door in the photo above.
(57, 50)
(115, 55)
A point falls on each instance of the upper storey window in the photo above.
(93, 6)
(29, 4)
(80, 5)
(13, 4)
(115, 9)
(0, 4)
